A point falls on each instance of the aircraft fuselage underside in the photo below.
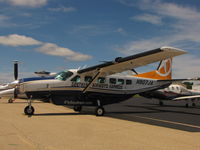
(79, 98)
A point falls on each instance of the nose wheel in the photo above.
(29, 110)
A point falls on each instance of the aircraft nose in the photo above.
(7, 93)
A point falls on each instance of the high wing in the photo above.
(127, 63)
(186, 97)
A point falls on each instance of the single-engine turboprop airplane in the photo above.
(174, 92)
(98, 85)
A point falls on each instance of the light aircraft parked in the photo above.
(45, 74)
(8, 90)
(174, 92)
(98, 85)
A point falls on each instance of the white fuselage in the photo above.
(113, 84)
(179, 90)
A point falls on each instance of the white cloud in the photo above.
(46, 48)
(54, 50)
(183, 27)
(183, 32)
(63, 9)
(175, 11)
(153, 19)
(18, 40)
(29, 3)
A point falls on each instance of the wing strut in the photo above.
(93, 79)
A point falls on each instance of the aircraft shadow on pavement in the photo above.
(62, 114)
(170, 116)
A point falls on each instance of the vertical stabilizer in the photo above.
(163, 72)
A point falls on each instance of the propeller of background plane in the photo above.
(16, 78)
(16, 70)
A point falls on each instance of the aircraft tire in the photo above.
(161, 103)
(187, 105)
(99, 111)
(77, 108)
(10, 101)
(29, 111)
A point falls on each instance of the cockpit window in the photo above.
(64, 75)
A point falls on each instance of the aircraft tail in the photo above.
(163, 72)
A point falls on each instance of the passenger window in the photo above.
(112, 80)
(172, 88)
(76, 79)
(88, 78)
(128, 82)
(120, 81)
(101, 80)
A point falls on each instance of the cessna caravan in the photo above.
(99, 85)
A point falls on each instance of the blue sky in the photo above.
(54, 35)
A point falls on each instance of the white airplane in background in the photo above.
(8, 90)
(98, 85)
(45, 74)
(174, 92)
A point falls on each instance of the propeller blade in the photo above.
(16, 70)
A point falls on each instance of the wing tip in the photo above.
(176, 50)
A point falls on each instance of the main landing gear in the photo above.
(29, 110)
(161, 103)
(99, 111)
(193, 105)
(77, 108)
(192, 101)
(11, 100)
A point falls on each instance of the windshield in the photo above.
(64, 75)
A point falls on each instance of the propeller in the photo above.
(16, 78)
(15, 69)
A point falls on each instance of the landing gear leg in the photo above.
(193, 103)
(186, 105)
(29, 110)
(161, 103)
(99, 110)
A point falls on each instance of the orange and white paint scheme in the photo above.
(164, 71)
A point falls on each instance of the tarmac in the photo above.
(136, 124)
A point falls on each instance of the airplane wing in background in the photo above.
(186, 98)
(127, 63)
